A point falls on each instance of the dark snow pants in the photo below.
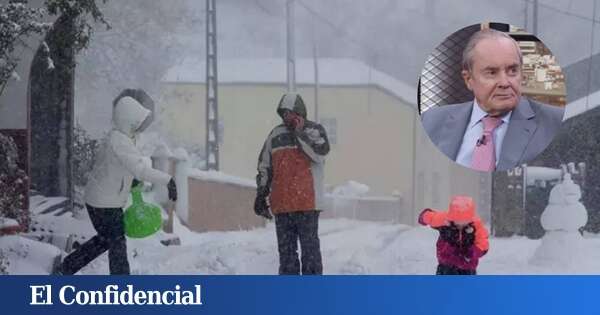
(451, 270)
(108, 222)
(290, 228)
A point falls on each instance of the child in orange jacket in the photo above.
(463, 238)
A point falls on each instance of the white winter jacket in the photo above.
(119, 160)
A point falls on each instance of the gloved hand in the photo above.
(172, 190)
(135, 183)
(469, 235)
(298, 122)
(449, 234)
(261, 207)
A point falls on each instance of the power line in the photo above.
(564, 12)
(319, 17)
(343, 32)
(545, 6)
(332, 25)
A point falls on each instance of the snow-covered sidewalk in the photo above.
(348, 247)
(26, 256)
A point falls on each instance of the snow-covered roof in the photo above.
(219, 177)
(332, 72)
(582, 105)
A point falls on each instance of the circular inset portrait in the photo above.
(491, 97)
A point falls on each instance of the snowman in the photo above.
(562, 219)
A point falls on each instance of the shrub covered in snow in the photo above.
(13, 182)
(84, 154)
(85, 150)
(3, 263)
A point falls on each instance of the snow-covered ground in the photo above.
(26, 256)
(348, 247)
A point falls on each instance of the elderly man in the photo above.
(499, 129)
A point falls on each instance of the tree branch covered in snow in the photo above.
(81, 10)
(17, 22)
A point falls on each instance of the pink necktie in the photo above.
(484, 155)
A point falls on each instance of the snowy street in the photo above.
(348, 247)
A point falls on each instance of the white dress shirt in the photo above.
(474, 132)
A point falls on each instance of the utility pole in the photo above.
(317, 84)
(291, 56)
(212, 112)
(526, 14)
(316, 68)
(535, 17)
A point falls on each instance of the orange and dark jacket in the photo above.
(457, 247)
(290, 164)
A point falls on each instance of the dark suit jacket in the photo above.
(531, 128)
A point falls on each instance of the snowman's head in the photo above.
(567, 192)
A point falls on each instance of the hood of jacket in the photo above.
(293, 102)
(129, 115)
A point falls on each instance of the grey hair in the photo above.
(467, 56)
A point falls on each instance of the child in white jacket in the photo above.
(106, 193)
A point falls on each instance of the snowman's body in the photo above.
(562, 219)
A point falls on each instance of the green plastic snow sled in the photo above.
(141, 219)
